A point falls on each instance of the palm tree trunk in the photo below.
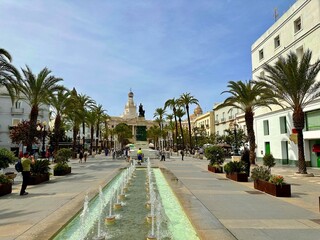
(298, 123)
(74, 143)
(181, 130)
(189, 125)
(91, 139)
(57, 124)
(176, 124)
(97, 136)
(251, 136)
(33, 126)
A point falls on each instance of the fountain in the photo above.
(129, 222)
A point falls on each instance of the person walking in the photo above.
(182, 154)
(163, 155)
(139, 156)
(26, 162)
(80, 156)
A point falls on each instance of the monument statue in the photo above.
(141, 111)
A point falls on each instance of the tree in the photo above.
(180, 113)
(172, 104)
(9, 75)
(294, 84)
(248, 96)
(59, 102)
(21, 134)
(186, 100)
(124, 133)
(35, 91)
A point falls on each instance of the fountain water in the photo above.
(130, 220)
(100, 234)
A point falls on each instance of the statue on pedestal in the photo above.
(141, 111)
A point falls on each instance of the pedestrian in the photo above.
(113, 153)
(163, 155)
(128, 155)
(80, 156)
(85, 155)
(139, 156)
(182, 154)
(26, 162)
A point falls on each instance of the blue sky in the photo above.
(158, 48)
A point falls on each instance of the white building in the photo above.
(297, 30)
(11, 115)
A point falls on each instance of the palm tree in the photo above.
(294, 83)
(159, 113)
(248, 96)
(180, 113)
(59, 101)
(186, 100)
(8, 74)
(35, 91)
(170, 127)
(172, 104)
(91, 121)
(101, 117)
(84, 103)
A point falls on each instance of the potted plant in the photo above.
(39, 172)
(215, 155)
(6, 157)
(271, 184)
(269, 161)
(62, 157)
(236, 170)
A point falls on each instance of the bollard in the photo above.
(319, 204)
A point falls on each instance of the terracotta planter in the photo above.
(5, 188)
(37, 179)
(214, 169)
(238, 177)
(62, 173)
(283, 190)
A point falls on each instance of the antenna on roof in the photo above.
(276, 14)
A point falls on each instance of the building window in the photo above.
(283, 125)
(262, 74)
(277, 42)
(266, 127)
(297, 25)
(15, 121)
(17, 104)
(313, 120)
(261, 56)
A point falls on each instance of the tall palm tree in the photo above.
(59, 101)
(35, 91)
(159, 113)
(101, 116)
(91, 121)
(172, 104)
(84, 103)
(248, 96)
(180, 113)
(186, 100)
(8, 74)
(170, 126)
(294, 83)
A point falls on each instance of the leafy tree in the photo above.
(9, 75)
(124, 133)
(20, 134)
(247, 97)
(35, 91)
(186, 100)
(172, 104)
(293, 82)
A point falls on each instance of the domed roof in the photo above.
(130, 94)
(198, 110)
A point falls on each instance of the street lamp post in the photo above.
(44, 133)
(236, 152)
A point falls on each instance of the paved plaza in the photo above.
(219, 208)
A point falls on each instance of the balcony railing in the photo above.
(17, 111)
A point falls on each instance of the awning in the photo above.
(316, 148)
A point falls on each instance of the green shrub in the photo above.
(6, 157)
(63, 155)
(269, 161)
(215, 155)
(40, 167)
(235, 167)
(60, 167)
(260, 173)
(5, 179)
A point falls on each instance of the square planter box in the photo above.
(62, 173)
(214, 169)
(37, 179)
(5, 188)
(273, 189)
(238, 177)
